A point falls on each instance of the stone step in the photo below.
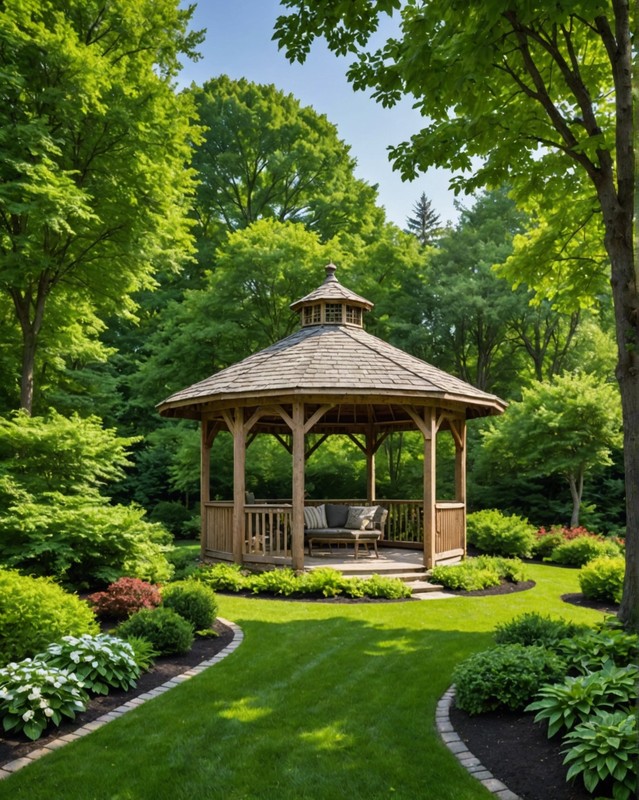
(407, 577)
(422, 587)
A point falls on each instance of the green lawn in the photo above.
(320, 701)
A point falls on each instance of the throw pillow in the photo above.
(359, 517)
(315, 517)
(336, 516)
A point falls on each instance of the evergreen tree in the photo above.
(425, 222)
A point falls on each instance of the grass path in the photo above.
(322, 701)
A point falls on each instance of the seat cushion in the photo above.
(360, 517)
(315, 517)
(336, 516)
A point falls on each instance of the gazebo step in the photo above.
(422, 587)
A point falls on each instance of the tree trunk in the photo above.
(576, 490)
(30, 313)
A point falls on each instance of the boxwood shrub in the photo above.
(164, 628)
(505, 677)
(192, 600)
(35, 612)
(533, 628)
(602, 578)
(500, 534)
(579, 551)
(481, 572)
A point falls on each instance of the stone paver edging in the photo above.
(463, 754)
(13, 766)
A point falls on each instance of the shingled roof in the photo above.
(341, 363)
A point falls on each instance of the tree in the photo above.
(425, 222)
(535, 95)
(94, 182)
(264, 156)
(568, 427)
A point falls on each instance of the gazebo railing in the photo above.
(267, 528)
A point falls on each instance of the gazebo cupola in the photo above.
(331, 304)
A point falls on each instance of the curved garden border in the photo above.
(13, 766)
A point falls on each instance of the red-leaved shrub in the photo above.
(125, 597)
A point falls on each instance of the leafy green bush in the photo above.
(602, 578)
(532, 628)
(506, 676)
(276, 581)
(124, 597)
(101, 662)
(222, 577)
(167, 631)
(380, 586)
(55, 521)
(33, 694)
(546, 541)
(579, 551)
(500, 534)
(589, 651)
(174, 516)
(324, 581)
(564, 705)
(184, 562)
(481, 572)
(192, 600)
(605, 747)
(35, 612)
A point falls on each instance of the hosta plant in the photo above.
(566, 704)
(34, 694)
(602, 748)
(102, 662)
(589, 651)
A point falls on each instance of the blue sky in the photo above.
(238, 43)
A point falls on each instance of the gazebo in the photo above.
(329, 377)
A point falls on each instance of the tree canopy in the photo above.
(94, 182)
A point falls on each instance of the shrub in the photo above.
(546, 542)
(579, 551)
(184, 562)
(276, 581)
(192, 600)
(605, 747)
(174, 516)
(381, 587)
(124, 597)
(222, 577)
(602, 578)
(33, 694)
(35, 612)
(101, 662)
(54, 520)
(501, 535)
(535, 629)
(164, 628)
(325, 581)
(506, 676)
(589, 651)
(566, 704)
(478, 573)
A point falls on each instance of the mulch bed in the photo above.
(14, 746)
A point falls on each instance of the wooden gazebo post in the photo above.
(297, 515)
(430, 474)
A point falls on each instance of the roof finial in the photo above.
(330, 273)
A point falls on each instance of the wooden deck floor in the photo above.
(390, 560)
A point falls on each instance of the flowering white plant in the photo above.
(102, 662)
(33, 694)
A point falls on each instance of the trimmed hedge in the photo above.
(501, 535)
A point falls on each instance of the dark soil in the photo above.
(14, 746)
